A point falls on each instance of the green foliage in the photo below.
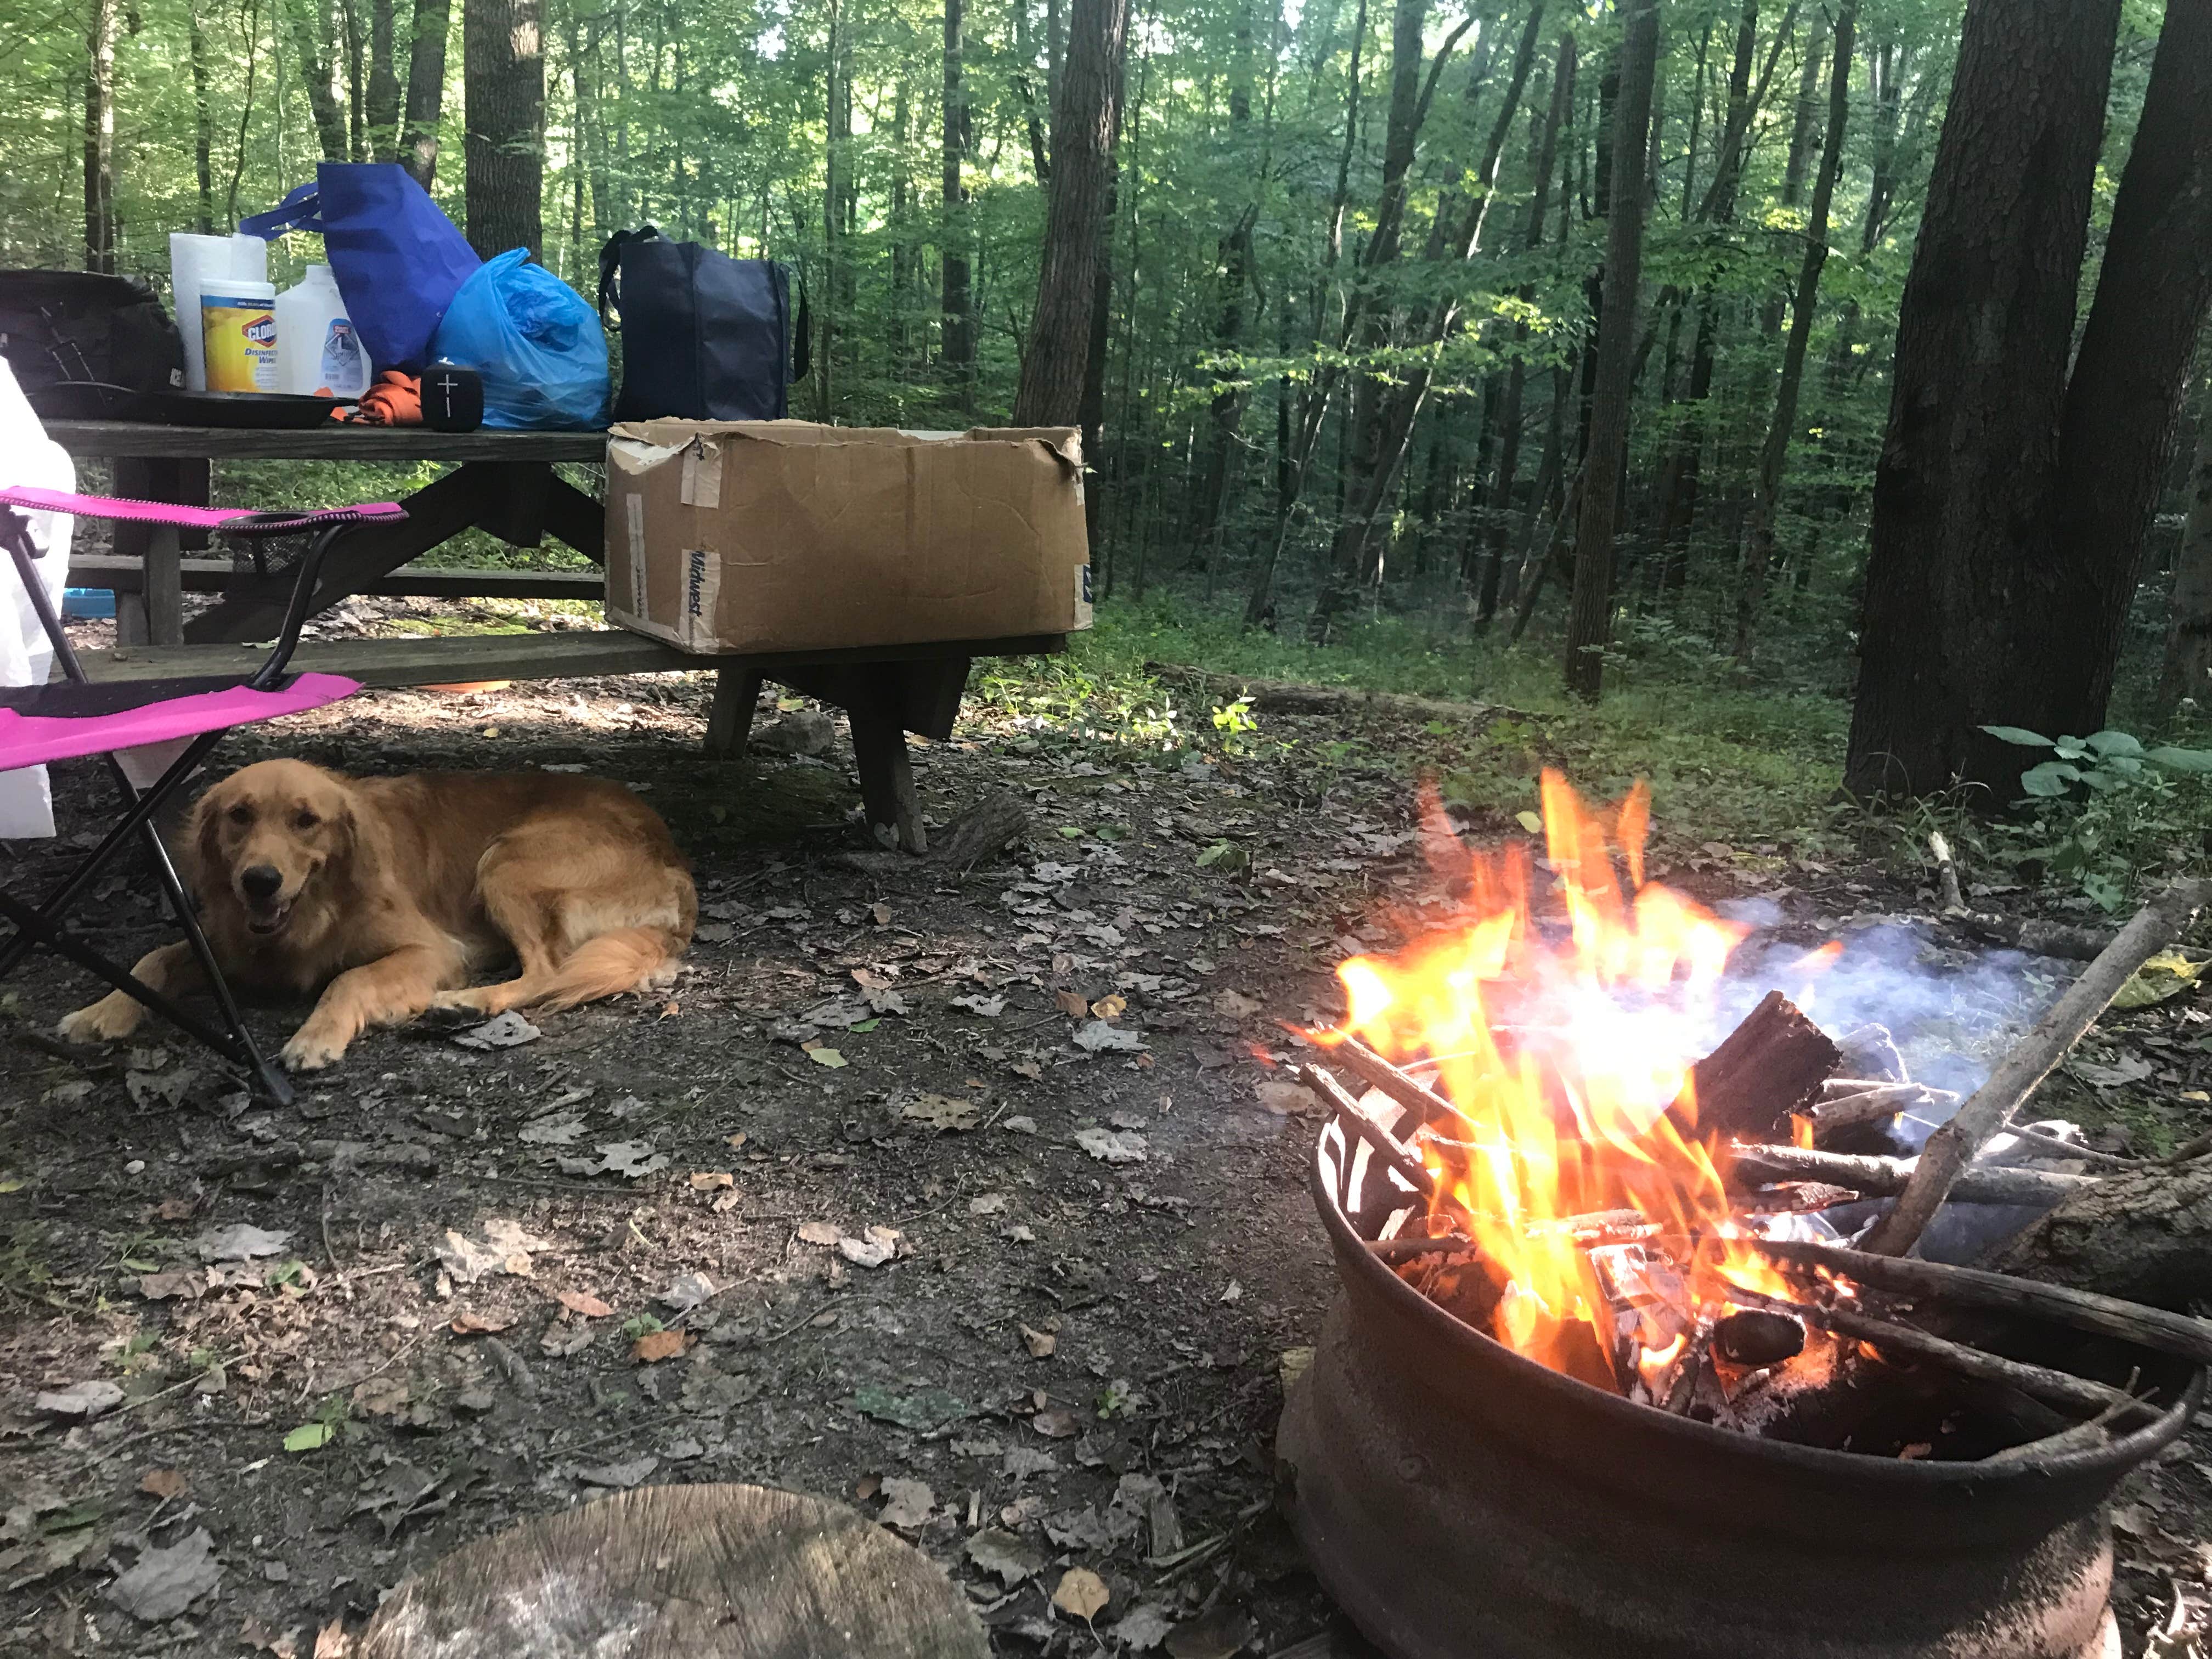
(2104, 808)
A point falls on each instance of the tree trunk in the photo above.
(957, 347)
(1509, 460)
(203, 120)
(903, 248)
(2129, 373)
(354, 40)
(1083, 127)
(503, 151)
(1590, 625)
(316, 71)
(426, 89)
(1804, 128)
(383, 91)
(837, 122)
(1960, 556)
(1759, 542)
(100, 135)
(2188, 668)
(1234, 275)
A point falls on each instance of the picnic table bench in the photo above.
(503, 483)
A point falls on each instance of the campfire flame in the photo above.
(1567, 1055)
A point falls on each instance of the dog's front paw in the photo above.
(311, 1050)
(469, 1000)
(112, 1017)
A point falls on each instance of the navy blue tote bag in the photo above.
(705, 338)
(397, 258)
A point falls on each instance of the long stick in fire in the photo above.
(1976, 1287)
(1425, 1104)
(2039, 1381)
(1952, 1147)
(1408, 1168)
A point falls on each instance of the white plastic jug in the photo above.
(196, 263)
(318, 353)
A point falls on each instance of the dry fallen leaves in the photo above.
(1082, 1594)
(470, 1324)
(1109, 1007)
(907, 1504)
(660, 1344)
(1072, 1004)
(710, 1181)
(584, 1303)
(164, 1483)
(1040, 1343)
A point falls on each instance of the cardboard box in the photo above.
(759, 536)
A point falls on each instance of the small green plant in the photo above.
(639, 1325)
(1236, 723)
(2106, 808)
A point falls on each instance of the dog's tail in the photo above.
(626, 959)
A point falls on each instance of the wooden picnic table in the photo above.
(503, 483)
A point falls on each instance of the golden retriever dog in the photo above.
(387, 895)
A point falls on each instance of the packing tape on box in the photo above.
(703, 474)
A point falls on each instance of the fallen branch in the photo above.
(1880, 1177)
(2145, 1234)
(2074, 1150)
(1974, 1287)
(1952, 1147)
(1870, 1104)
(1292, 697)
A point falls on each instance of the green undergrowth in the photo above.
(1725, 763)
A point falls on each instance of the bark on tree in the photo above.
(2124, 399)
(1083, 127)
(1516, 379)
(354, 40)
(1233, 274)
(837, 119)
(1758, 539)
(203, 120)
(383, 89)
(426, 89)
(316, 75)
(100, 135)
(2188, 668)
(958, 340)
(1960, 558)
(503, 150)
(1590, 621)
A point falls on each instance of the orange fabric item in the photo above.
(396, 399)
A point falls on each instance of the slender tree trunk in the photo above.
(1083, 127)
(903, 248)
(1804, 129)
(2187, 670)
(837, 122)
(354, 40)
(1960, 558)
(1590, 626)
(583, 251)
(958, 337)
(100, 135)
(245, 110)
(2132, 367)
(1516, 379)
(1233, 273)
(383, 91)
(426, 89)
(316, 75)
(203, 120)
(1759, 542)
(503, 63)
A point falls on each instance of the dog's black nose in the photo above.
(260, 881)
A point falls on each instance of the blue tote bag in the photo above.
(397, 258)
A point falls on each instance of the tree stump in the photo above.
(703, 1572)
(2144, 1235)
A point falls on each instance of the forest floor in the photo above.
(1022, 1290)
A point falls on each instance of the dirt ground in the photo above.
(957, 1198)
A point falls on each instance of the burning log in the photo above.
(1759, 1336)
(1952, 1147)
(2053, 1387)
(1380, 1142)
(1423, 1104)
(1974, 1287)
(1863, 1102)
(1879, 1177)
(1764, 1070)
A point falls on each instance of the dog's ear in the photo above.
(203, 852)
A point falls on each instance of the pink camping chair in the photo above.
(73, 717)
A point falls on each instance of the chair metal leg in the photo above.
(31, 925)
(55, 904)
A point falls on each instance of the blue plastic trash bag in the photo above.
(537, 342)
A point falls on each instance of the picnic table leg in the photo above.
(730, 717)
(155, 614)
(887, 792)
